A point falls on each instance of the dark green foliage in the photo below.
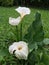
(6, 2)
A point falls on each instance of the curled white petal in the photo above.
(12, 47)
(21, 55)
(23, 11)
(14, 21)
(21, 49)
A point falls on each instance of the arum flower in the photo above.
(14, 21)
(20, 48)
(23, 11)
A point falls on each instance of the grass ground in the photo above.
(6, 29)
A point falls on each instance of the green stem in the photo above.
(17, 33)
(21, 31)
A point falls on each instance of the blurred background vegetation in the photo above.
(38, 3)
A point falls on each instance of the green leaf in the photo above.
(38, 28)
(33, 46)
(35, 32)
(45, 59)
(32, 58)
(46, 41)
(35, 57)
(3, 54)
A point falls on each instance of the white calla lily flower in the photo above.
(23, 11)
(14, 21)
(20, 48)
